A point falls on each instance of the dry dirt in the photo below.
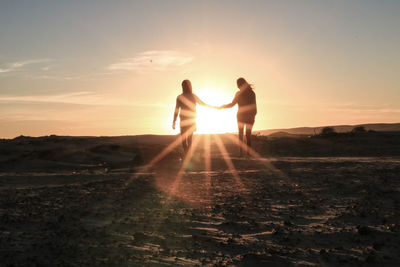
(281, 211)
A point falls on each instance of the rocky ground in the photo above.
(288, 211)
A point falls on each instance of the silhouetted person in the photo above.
(246, 100)
(186, 108)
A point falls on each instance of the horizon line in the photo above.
(158, 134)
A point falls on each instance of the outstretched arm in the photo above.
(234, 102)
(176, 112)
(198, 100)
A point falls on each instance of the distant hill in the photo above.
(281, 134)
(382, 127)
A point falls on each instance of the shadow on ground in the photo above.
(289, 212)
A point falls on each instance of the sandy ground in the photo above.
(281, 211)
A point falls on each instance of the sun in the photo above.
(211, 120)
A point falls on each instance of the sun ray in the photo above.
(175, 184)
(229, 162)
(169, 148)
(181, 171)
(207, 166)
(247, 108)
(159, 156)
(266, 162)
(250, 150)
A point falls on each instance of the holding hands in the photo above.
(211, 106)
(217, 107)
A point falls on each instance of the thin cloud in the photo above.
(80, 98)
(354, 107)
(71, 77)
(14, 66)
(152, 60)
(370, 110)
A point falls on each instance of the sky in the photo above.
(115, 67)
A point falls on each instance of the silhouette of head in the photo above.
(242, 83)
(186, 87)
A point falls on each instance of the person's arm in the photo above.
(234, 102)
(198, 100)
(176, 112)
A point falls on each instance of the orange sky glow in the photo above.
(116, 69)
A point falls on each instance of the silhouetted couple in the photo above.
(186, 108)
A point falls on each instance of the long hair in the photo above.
(242, 83)
(187, 87)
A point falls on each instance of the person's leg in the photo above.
(249, 127)
(240, 128)
(184, 139)
(189, 139)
